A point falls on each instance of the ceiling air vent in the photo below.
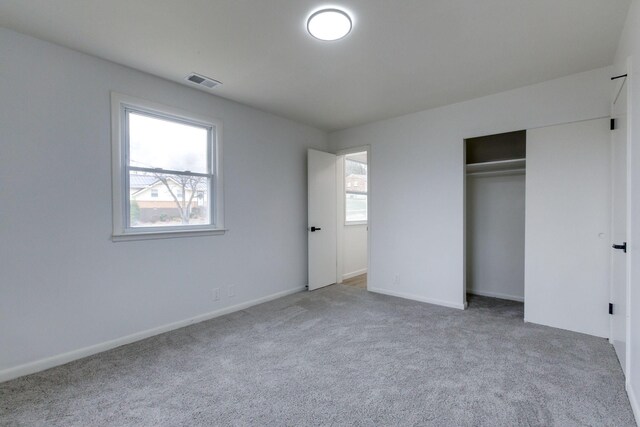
(201, 80)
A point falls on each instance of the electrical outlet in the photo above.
(231, 291)
(216, 294)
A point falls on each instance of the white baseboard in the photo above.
(61, 359)
(635, 404)
(537, 321)
(354, 274)
(495, 295)
(449, 304)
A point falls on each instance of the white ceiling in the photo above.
(402, 55)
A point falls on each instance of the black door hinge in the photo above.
(610, 308)
(613, 124)
(622, 247)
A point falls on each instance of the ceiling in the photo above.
(402, 56)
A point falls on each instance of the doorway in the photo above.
(353, 217)
(338, 218)
(495, 219)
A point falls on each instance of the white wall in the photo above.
(64, 285)
(416, 237)
(568, 240)
(629, 47)
(354, 251)
(495, 235)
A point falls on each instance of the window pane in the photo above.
(162, 143)
(356, 207)
(157, 200)
(355, 176)
(353, 167)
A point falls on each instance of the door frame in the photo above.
(340, 211)
(628, 221)
(629, 166)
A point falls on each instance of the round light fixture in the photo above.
(329, 24)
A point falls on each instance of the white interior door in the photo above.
(322, 218)
(568, 223)
(619, 227)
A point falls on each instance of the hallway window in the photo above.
(355, 171)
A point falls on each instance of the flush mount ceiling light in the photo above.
(329, 24)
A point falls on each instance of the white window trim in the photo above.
(360, 222)
(118, 144)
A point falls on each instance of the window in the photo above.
(167, 178)
(355, 178)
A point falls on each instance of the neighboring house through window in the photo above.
(167, 176)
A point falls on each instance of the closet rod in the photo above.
(498, 173)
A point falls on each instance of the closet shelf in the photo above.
(497, 166)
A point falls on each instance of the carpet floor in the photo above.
(337, 356)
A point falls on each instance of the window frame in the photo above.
(346, 191)
(121, 105)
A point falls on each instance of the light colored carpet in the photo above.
(337, 356)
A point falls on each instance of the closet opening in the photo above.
(495, 168)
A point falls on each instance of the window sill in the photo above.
(355, 223)
(154, 235)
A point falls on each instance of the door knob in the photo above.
(313, 229)
(623, 246)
